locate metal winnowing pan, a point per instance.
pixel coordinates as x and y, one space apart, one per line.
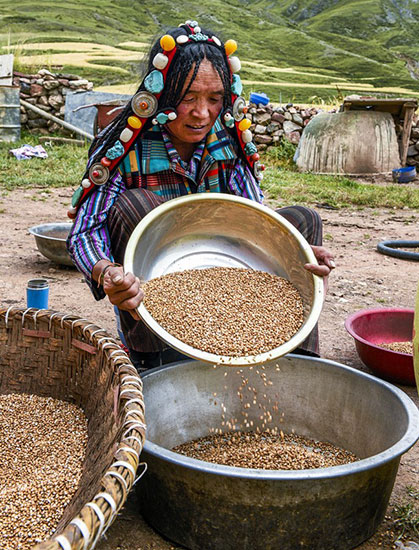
57 120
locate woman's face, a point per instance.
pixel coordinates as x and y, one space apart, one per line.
199 108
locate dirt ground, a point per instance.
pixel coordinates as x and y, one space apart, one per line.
363 279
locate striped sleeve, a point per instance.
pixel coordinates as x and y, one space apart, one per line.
243 183
89 241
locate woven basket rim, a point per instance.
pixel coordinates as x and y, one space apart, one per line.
87 527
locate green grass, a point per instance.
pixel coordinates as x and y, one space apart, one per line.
282 182
63 167
406 515
305 188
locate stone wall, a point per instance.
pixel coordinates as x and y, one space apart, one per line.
413 150
270 124
47 91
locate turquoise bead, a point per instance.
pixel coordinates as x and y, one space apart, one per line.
162 118
198 37
154 82
76 196
236 85
250 148
116 151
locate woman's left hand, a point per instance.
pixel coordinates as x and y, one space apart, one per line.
325 262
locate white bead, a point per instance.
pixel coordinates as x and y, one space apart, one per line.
182 39
197 30
160 61
228 116
260 176
86 183
126 135
188 22
247 136
172 115
216 40
235 64
155 121
72 210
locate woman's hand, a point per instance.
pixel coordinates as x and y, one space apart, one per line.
325 265
123 290
325 260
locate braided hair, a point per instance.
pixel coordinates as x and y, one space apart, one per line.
188 57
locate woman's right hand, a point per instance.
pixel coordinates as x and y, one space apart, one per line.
123 290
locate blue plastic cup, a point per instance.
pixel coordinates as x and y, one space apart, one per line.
37 292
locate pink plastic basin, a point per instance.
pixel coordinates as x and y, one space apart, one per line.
371 327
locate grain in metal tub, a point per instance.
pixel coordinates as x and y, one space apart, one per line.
206 506
51 354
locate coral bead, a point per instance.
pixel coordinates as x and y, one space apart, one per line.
105 161
255 157
244 124
71 212
230 46
167 42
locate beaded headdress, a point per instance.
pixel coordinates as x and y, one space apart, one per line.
144 105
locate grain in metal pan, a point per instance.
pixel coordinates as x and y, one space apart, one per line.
226 311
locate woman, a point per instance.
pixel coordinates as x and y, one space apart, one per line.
183 132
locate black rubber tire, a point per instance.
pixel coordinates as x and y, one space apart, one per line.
390 248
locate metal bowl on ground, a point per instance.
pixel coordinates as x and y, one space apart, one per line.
372 327
205 506
218 230
50 240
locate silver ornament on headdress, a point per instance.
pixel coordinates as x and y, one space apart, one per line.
98 174
238 109
144 104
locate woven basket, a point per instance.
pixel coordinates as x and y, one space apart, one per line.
58 355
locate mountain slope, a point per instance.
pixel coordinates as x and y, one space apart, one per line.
366 43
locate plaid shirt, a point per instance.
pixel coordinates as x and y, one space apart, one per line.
154 164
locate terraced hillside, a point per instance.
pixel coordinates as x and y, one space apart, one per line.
298 50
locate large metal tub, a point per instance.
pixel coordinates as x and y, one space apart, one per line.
207 506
